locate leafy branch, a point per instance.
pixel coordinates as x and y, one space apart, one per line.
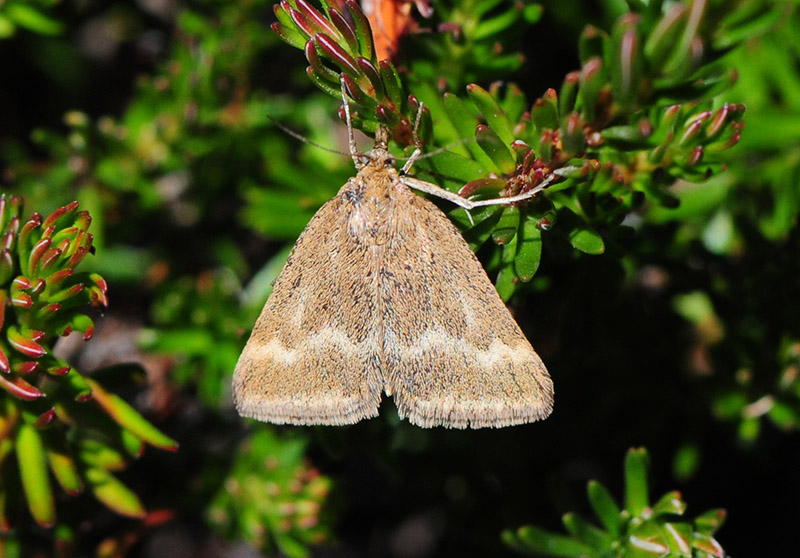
273 498
52 416
638 529
632 120
747 221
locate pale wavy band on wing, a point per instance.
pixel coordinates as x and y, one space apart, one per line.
310 358
453 354
319 383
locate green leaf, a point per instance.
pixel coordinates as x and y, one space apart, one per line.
626 67
709 522
670 504
286 30
290 547
568 93
76 385
363 30
538 540
455 168
786 207
62 463
545 111
28 17
646 547
507 226
529 249
99 454
729 405
485 219
678 537
490 27
35 478
500 153
590 43
506 282
586 532
113 494
573 139
465 123
636 491
696 307
189 341
322 80
277 215
72 411
491 111
662 39
391 82
629 136
592 80
130 419
587 240
708 545
514 104
532 13
748 28
686 461
749 429
605 508
7 27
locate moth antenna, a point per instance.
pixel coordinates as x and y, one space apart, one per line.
288 131
351 138
415 129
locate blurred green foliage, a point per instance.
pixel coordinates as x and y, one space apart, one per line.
639 529
272 494
744 312
28 14
680 332
54 419
613 136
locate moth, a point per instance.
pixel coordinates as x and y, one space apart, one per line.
381 294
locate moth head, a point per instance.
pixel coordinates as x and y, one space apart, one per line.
379 155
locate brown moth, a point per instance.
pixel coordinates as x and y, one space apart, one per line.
381 294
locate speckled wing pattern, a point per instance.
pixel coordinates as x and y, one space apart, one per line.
455 356
311 357
381 293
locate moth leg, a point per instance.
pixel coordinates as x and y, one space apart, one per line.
467 204
417 142
513 199
437 191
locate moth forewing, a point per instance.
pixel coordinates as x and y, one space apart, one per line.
455 355
310 358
